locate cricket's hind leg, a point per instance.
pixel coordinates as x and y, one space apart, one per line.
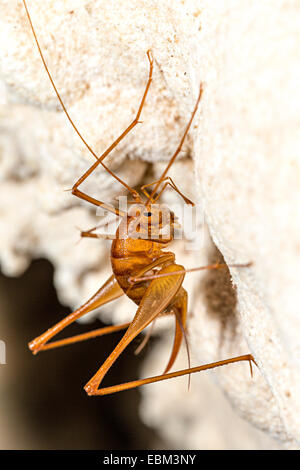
179 307
157 298
108 292
151 306
106 330
158 378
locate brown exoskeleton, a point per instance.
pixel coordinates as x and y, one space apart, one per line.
141 269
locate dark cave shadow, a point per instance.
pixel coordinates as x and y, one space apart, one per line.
220 297
45 392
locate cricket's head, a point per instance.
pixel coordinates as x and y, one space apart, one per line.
151 222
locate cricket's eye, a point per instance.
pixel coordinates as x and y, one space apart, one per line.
147 214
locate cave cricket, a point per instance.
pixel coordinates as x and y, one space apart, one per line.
141 269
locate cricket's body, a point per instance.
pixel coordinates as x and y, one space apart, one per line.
133 256
141 269
128 258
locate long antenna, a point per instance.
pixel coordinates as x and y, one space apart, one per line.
64 108
178 148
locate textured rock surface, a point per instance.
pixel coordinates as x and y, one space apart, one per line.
246 149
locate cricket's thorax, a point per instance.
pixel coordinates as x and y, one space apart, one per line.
129 257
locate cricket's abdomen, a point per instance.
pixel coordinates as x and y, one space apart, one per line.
128 258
